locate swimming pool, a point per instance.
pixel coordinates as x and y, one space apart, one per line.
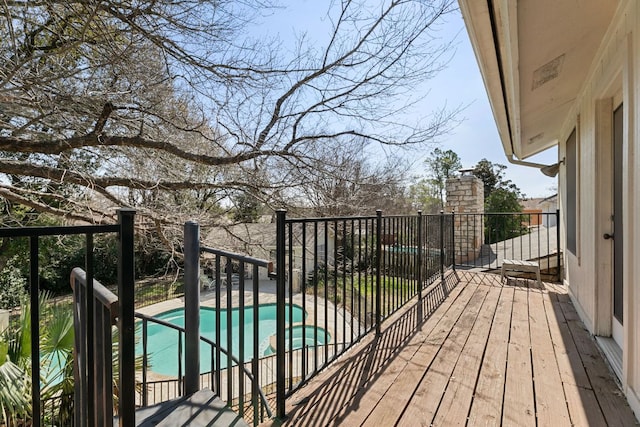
162 342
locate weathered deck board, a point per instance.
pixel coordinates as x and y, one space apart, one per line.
486 408
456 401
581 400
519 407
551 407
427 396
360 378
435 332
490 354
600 377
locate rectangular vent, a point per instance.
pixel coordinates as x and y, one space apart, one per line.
547 72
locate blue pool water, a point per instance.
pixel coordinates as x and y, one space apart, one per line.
162 342
299 339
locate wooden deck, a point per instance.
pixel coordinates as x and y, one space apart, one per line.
491 354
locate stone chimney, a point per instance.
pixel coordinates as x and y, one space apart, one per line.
465 196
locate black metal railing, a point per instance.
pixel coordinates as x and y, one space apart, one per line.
484 240
152 391
348 275
221 293
88 409
103 305
334 281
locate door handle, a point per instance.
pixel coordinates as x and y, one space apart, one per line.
608 236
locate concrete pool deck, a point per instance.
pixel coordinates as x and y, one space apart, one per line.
266 295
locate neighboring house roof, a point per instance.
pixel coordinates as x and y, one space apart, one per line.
538 203
530 204
535 57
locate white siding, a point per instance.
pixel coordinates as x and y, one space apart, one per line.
588 275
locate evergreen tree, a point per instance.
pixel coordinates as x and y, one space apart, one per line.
442 165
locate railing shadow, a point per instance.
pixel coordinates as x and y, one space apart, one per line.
367 362
593 381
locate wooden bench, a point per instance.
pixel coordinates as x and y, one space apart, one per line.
521 266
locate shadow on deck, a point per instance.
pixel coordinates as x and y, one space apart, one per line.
487 354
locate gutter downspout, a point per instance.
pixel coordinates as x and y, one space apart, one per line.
523 163
548 170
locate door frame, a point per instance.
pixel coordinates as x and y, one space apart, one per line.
617 247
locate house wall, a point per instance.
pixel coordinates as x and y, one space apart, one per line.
614 78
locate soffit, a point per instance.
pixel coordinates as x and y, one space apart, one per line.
535 56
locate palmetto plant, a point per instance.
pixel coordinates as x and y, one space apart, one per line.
56 362
15 386
15 379
56 365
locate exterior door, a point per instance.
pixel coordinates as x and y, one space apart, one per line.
618 226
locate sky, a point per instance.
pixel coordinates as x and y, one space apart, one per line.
476 136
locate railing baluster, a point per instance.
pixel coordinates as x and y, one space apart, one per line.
99 370
344 284
419 278
255 364
280 313
218 321
315 295
241 322
289 303
303 283
378 272
326 285
229 338
34 283
145 362
88 321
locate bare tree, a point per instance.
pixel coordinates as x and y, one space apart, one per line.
173 102
339 182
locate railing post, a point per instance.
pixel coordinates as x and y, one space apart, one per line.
559 257
419 256
453 239
419 265
192 307
126 347
89 325
378 272
280 312
442 246
80 354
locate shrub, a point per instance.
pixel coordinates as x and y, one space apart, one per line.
12 286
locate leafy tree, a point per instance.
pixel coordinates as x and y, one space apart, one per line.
171 107
442 165
492 176
500 227
246 207
500 196
424 197
12 286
